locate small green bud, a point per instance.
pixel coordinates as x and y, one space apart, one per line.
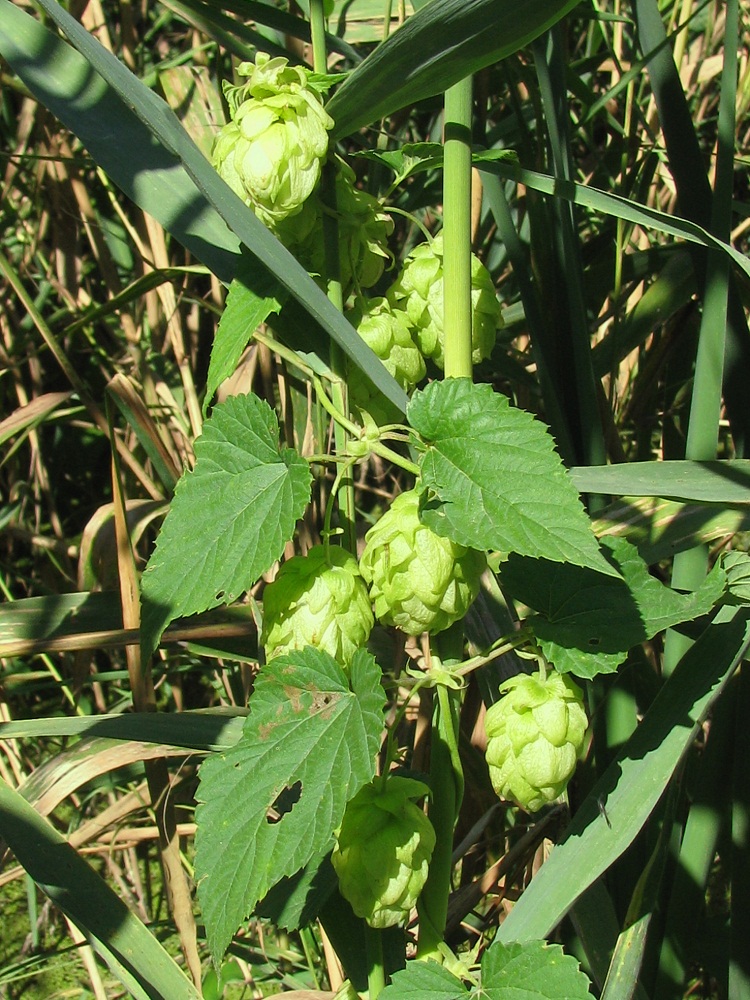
535 734
418 580
383 850
270 152
419 292
317 600
387 333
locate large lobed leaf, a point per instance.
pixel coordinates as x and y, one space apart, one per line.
587 622
497 480
531 971
309 743
230 517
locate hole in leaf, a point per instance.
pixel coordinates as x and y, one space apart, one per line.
594 641
220 596
284 802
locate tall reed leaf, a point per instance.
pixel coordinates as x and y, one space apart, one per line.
132 952
441 44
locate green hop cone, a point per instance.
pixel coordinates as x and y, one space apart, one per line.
387 333
418 580
317 600
270 152
363 231
535 734
383 851
419 292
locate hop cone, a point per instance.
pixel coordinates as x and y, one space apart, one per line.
535 734
271 150
386 331
363 230
418 580
317 600
419 292
383 851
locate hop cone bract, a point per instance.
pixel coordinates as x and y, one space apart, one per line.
419 292
387 333
383 850
535 734
270 152
317 600
418 580
363 231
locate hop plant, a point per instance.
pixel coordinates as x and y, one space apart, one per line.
387 333
270 152
363 231
317 600
418 580
535 734
419 292
383 850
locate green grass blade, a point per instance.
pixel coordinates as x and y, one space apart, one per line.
687 165
569 337
441 44
706 402
618 206
633 784
126 945
209 731
710 482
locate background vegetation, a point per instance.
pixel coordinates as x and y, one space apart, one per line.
617 239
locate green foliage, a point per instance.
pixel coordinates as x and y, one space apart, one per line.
533 971
608 313
230 517
492 479
307 747
586 622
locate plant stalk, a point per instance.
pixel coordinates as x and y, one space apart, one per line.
457 230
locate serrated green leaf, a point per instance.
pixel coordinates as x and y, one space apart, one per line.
308 735
737 568
424 981
230 517
497 480
587 622
532 971
253 295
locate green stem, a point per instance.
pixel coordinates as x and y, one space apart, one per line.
375 967
446 792
457 231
